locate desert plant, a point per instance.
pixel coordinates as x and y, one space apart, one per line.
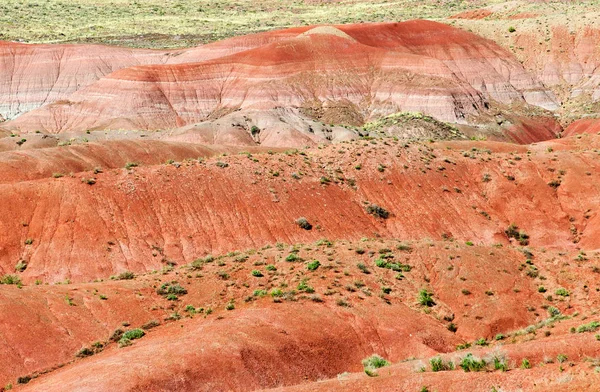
372 363
313 265
127 275
257 274
363 268
171 289
292 257
10 279
562 292
378 211
303 223
469 363
589 327
21 266
425 298
438 364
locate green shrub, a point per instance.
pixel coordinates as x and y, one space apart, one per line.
525 364
271 267
313 265
257 274
259 293
130 335
10 279
562 292
513 232
303 286
377 211
292 257
438 364
469 363
481 342
21 266
172 288
425 298
590 327
372 363
561 358
500 362
276 293
553 312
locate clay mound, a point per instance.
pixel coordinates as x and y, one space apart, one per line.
412 66
413 126
57 162
588 125
70 222
391 325
32 75
321 327
276 127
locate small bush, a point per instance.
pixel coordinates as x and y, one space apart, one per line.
172 288
127 275
10 279
525 364
363 268
425 298
438 364
21 266
561 358
276 293
372 363
313 265
257 274
292 257
133 334
513 232
590 327
84 352
553 312
378 211
562 292
222 164
150 324
472 364
303 223
511 29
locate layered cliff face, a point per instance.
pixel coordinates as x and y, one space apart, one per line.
32 75
369 70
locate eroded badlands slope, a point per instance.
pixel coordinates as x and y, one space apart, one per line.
365 70
261 318
72 227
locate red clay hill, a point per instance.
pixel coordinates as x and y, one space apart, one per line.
363 71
